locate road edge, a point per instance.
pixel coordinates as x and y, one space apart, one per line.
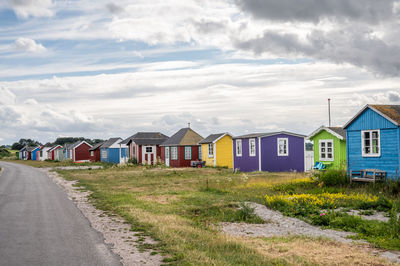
117 234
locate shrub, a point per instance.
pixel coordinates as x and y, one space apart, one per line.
394 220
246 214
332 177
133 161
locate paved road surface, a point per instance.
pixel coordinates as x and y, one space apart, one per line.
39 225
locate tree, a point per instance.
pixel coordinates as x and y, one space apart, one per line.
24 142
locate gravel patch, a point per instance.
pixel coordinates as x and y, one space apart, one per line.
280 225
377 216
116 233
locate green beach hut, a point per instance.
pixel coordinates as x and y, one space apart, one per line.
330 146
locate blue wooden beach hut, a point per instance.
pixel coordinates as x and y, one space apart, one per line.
113 151
34 153
373 140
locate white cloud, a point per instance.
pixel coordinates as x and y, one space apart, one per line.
34 8
29 45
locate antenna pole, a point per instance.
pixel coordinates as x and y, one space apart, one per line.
329 110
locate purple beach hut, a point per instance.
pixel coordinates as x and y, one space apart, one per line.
272 152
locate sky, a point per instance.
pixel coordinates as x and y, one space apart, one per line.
102 69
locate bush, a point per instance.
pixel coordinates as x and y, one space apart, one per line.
332 177
133 161
4 153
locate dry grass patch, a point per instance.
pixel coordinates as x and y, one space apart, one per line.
316 251
161 199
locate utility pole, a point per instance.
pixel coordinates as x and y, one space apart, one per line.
329 110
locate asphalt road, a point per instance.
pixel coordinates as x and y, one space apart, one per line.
39 225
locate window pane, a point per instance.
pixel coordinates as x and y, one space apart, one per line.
329 144
330 155
322 144
323 155
322 149
366 135
375 134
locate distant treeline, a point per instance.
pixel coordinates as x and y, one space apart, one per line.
59 141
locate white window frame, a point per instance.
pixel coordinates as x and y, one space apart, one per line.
210 148
200 152
239 144
287 146
187 150
326 141
104 154
174 153
150 148
364 154
91 153
252 153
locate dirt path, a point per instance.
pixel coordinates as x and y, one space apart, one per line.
280 225
118 234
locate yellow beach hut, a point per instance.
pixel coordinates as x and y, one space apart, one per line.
217 150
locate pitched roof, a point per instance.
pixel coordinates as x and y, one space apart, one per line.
390 112
96 146
212 138
32 148
338 132
185 136
110 142
76 144
256 135
146 138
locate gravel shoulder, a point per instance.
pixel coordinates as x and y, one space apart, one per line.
280 225
116 232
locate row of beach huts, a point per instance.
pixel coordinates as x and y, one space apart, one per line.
368 141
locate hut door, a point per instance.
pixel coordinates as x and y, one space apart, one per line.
167 156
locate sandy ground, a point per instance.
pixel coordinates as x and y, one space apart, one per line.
116 233
280 225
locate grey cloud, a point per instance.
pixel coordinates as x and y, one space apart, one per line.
114 9
356 46
208 26
370 11
8 117
394 96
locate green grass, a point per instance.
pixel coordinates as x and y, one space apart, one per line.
182 208
51 164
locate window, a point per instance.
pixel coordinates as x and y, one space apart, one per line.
238 147
200 153
104 154
149 149
210 150
91 153
252 147
174 153
41 154
326 150
371 143
283 146
188 153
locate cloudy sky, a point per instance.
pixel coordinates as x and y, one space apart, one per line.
112 68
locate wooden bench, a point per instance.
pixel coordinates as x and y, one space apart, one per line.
367 175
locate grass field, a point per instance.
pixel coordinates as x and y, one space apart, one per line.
181 208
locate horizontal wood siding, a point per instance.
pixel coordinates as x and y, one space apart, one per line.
181 162
271 162
389 159
245 163
370 120
339 147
